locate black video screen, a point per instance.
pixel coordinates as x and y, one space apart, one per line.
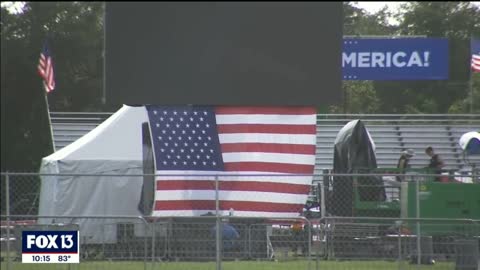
223 53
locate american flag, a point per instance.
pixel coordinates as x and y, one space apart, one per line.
263 157
475 48
45 68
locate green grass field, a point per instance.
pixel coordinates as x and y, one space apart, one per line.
240 265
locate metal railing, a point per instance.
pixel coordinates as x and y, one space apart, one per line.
388 228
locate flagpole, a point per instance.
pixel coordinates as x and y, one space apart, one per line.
45 69
49 121
470 85
470 81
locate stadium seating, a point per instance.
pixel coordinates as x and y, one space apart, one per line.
394 134
391 133
68 127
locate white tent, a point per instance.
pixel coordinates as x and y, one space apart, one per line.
470 142
114 147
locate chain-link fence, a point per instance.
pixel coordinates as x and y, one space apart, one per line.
118 244
403 241
371 220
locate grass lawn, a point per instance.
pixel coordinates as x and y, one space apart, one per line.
240 265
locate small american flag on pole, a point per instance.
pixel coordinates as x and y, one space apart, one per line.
45 68
263 157
475 49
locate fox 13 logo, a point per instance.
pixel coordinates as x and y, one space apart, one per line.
50 247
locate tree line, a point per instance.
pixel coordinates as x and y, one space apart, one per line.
76 31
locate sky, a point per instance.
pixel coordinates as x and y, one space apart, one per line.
370 7
14 7
373 7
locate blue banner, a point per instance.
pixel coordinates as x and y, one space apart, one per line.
395 59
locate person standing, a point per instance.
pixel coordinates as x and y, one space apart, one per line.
297 229
230 236
403 162
436 163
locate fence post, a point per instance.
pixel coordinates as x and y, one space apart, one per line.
309 247
145 248
152 230
7 205
322 198
417 198
250 241
218 235
400 245
317 248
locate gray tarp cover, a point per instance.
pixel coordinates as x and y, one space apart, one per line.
354 152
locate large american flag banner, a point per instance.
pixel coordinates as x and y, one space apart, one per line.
45 68
263 157
475 48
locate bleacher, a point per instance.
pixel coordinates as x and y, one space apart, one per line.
391 133
68 127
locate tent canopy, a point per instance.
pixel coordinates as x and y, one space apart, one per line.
111 140
112 148
470 143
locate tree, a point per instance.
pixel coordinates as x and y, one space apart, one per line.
361 96
76 31
358 22
457 21
463 105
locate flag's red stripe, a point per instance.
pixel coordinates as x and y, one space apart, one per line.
49 75
51 82
47 68
266 128
41 72
46 72
45 85
227 205
233 185
266 110
269 167
269 148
